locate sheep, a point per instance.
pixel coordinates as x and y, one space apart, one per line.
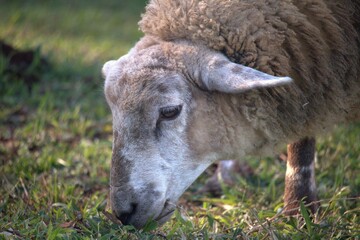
214 79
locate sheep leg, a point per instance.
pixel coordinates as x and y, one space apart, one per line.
300 176
226 173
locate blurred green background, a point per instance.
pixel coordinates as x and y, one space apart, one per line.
84 32
55 141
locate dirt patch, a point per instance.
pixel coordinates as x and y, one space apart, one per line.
24 65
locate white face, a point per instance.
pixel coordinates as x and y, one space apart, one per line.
152 162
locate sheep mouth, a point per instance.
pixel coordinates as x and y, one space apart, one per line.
168 210
164 216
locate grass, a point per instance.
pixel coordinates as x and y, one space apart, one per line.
55 144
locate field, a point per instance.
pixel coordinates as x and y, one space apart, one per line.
56 133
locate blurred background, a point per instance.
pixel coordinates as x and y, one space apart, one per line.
66 42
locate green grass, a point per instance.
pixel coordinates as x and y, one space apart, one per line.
55 144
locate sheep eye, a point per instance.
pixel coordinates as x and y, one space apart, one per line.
170 113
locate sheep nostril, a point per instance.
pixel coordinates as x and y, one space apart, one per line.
125 216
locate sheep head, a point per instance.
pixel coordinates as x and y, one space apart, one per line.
166 100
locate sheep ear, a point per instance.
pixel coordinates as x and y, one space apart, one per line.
111 69
106 68
220 74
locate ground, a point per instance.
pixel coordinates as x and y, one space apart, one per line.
55 143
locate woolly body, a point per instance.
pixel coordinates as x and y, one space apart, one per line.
313 41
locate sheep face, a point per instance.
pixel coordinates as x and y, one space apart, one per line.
166 128
151 160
